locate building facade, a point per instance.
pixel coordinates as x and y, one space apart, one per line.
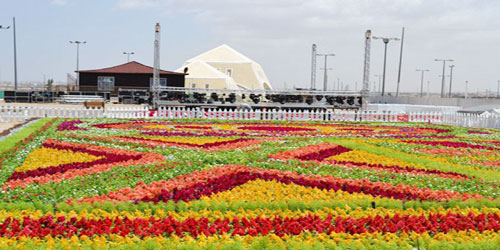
131 75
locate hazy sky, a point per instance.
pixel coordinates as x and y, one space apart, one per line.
276 33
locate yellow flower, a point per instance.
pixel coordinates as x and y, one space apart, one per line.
47 157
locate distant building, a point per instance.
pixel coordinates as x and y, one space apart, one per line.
224 68
129 75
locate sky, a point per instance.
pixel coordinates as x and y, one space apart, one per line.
277 34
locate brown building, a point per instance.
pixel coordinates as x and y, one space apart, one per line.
131 75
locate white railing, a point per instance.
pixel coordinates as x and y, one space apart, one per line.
16 113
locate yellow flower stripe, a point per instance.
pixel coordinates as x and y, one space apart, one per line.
212 215
370 158
174 242
439 159
190 140
273 191
47 157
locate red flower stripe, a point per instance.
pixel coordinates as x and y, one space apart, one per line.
70 125
452 144
273 130
276 128
478 132
280 226
323 154
399 169
197 133
316 152
189 184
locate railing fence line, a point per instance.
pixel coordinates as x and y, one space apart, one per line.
17 113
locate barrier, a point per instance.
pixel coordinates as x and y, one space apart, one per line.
17 114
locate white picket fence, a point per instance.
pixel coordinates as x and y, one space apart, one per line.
16 113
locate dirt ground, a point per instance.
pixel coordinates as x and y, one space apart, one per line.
7 125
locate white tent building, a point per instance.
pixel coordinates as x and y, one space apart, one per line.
202 75
225 68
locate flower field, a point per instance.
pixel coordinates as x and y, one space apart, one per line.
188 184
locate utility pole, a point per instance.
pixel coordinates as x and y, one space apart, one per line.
422 81
400 60
15 49
313 67
386 41
451 79
325 77
78 59
4 28
366 70
15 52
379 83
156 69
128 55
444 67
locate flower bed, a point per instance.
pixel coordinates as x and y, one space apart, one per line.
122 184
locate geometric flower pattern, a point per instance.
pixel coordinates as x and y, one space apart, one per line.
87 159
205 183
206 144
339 155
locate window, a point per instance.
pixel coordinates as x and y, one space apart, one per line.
105 83
229 72
193 85
207 86
163 82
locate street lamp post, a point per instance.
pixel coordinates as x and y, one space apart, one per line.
400 60
78 58
386 41
451 79
379 82
128 55
422 81
325 77
444 75
4 28
15 50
